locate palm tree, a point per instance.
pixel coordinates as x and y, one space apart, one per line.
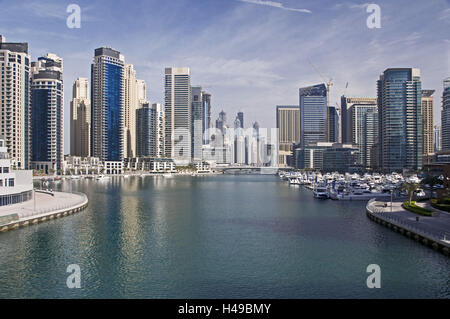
410 188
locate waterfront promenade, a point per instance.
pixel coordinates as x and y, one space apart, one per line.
433 231
45 206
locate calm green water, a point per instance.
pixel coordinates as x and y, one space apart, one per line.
215 237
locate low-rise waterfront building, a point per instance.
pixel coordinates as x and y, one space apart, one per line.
77 165
16 186
150 164
327 156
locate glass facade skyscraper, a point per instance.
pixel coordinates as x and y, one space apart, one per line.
364 124
197 123
400 119
206 117
177 105
333 120
146 121
107 98
313 114
47 117
445 116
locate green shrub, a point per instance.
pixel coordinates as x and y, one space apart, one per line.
439 204
413 208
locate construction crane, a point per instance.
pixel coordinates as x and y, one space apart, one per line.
328 83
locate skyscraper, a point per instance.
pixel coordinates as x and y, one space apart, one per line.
107 98
177 107
221 122
288 125
206 124
146 130
313 114
427 122
445 116
364 124
400 119
437 138
47 114
197 123
15 101
333 122
159 129
240 116
129 112
80 119
346 117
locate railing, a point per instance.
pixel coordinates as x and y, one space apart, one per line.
26 214
424 229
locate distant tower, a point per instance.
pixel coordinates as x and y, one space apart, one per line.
80 119
197 123
240 116
47 114
206 117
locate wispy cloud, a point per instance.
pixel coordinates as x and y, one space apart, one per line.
275 4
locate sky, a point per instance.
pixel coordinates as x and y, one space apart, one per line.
251 55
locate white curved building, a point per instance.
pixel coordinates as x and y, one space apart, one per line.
16 186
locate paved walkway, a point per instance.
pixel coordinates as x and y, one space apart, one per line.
438 227
45 203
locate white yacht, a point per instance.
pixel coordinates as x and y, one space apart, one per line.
320 192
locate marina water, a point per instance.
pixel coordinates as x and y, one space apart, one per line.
224 236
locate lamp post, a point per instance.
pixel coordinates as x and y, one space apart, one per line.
392 192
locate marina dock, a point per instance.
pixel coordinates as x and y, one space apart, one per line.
430 231
44 206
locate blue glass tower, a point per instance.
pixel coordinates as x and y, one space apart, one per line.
47 142
400 119
107 105
313 114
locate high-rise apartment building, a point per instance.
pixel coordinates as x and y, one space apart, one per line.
15 103
206 124
107 98
177 106
363 119
346 117
80 119
427 122
197 123
47 114
445 116
146 131
159 129
288 125
313 114
129 112
333 124
437 138
240 116
400 119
